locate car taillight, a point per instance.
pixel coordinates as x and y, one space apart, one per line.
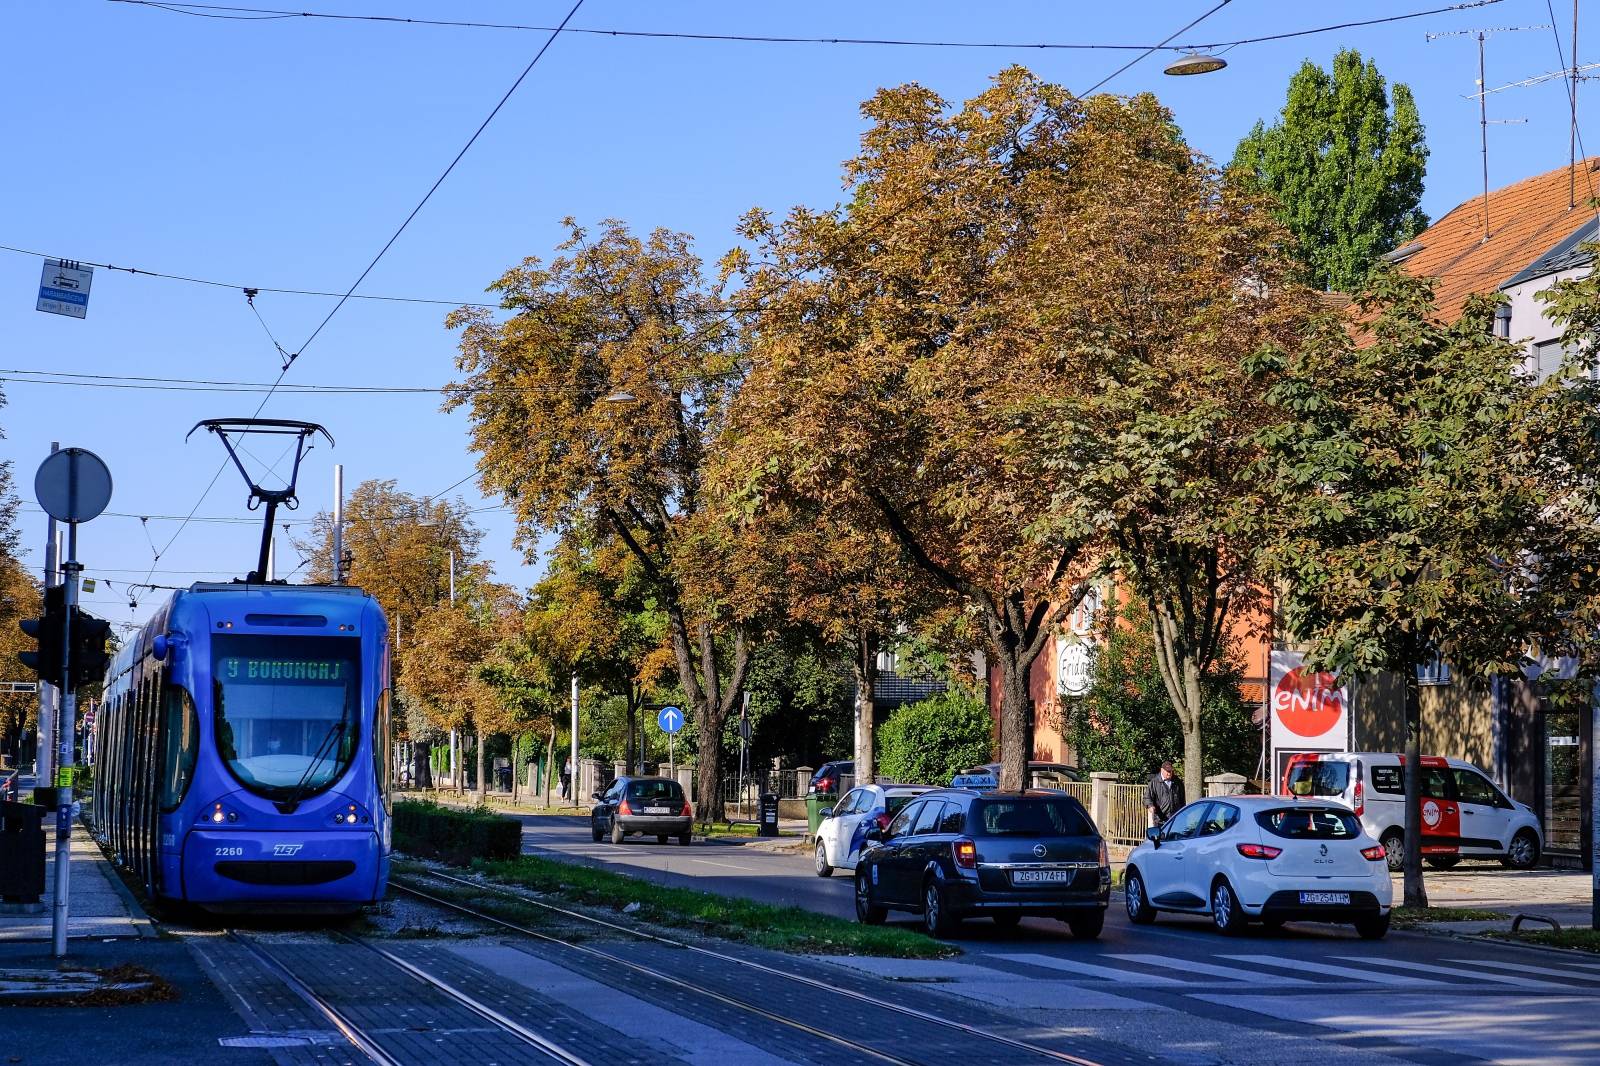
686 812
825 785
623 808
966 854
1259 851
1361 800
1105 856
1377 853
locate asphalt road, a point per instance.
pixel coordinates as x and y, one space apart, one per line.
1180 991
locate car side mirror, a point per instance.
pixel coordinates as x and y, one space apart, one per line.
826 812
1153 835
599 795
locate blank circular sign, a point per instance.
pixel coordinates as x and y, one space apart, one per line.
73 485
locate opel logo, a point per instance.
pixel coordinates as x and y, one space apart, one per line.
1038 849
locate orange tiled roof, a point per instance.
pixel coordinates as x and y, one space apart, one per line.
1525 221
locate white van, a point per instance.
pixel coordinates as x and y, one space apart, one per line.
1464 816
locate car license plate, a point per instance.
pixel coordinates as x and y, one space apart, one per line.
1325 897
1036 877
658 810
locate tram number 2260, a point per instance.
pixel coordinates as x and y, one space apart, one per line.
228 852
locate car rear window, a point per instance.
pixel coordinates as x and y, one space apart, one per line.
1043 817
655 790
1319 778
1309 823
893 804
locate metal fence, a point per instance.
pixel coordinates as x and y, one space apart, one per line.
746 791
1125 817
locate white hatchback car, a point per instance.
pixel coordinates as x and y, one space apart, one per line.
1261 857
843 831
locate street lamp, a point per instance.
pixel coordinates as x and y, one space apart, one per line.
1195 63
621 396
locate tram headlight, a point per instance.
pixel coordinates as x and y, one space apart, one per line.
217 814
351 814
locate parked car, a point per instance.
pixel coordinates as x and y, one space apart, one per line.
825 781
1263 857
959 853
844 826
651 806
1040 775
1463 814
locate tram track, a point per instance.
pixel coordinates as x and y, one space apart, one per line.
985 1035
367 1042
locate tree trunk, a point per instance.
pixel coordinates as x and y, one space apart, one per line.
1016 720
483 779
549 765
631 756
1182 673
866 677
711 702
1416 893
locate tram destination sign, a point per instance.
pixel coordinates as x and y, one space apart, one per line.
64 288
248 669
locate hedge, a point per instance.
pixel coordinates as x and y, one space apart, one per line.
931 741
454 835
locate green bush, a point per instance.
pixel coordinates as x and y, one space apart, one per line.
931 741
454 835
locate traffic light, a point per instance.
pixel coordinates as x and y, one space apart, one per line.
89 655
47 661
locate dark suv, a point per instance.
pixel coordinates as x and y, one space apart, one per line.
653 806
825 782
960 853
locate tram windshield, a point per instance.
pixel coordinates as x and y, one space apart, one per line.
287 710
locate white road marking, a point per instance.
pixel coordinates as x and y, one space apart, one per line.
1230 972
1520 968
1477 975
1084 969
726 865
1365 976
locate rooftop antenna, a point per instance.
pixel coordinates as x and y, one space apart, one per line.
232 431
1483 99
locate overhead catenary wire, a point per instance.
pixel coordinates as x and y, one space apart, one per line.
291 357
258 14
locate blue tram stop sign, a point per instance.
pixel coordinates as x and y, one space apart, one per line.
670 719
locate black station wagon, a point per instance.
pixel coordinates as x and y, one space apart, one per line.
959 853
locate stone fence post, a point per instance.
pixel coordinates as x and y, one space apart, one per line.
619 769
802 776
1225 785
1100 797
686 779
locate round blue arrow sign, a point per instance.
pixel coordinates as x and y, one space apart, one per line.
670 719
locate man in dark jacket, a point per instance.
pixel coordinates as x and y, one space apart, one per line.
1164 796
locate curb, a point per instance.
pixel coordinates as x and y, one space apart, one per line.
1479 938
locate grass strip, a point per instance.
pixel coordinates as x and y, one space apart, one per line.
746 921
1575 939
1406 917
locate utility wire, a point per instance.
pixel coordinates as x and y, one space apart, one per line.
293 356
1155 47
247 288
255 14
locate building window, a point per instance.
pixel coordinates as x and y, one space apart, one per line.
1549 355
1433 671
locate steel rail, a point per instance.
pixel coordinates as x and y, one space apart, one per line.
730 1001
898 1008
351 1032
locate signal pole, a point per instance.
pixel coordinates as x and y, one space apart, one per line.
69 710
44 749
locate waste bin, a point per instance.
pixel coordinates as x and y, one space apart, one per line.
815 804
21 852
769 815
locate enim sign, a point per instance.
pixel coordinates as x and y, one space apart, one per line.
1307 702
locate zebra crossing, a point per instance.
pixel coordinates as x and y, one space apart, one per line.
1282 972
1252 971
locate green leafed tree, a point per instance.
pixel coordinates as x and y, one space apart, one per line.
1345 167
931 741
1428 496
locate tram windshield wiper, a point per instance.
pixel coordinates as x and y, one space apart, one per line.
324 749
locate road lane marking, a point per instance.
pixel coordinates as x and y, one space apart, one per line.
1346 972
1229 972
1476 975
726 865
1520 968
1084 969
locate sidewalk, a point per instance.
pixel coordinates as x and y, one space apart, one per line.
1564 895
98 904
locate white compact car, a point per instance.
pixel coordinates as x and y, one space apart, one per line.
843 831
1261 857
1464 816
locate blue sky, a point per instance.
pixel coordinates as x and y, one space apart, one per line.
283 153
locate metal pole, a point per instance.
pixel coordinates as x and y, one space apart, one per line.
268 572
338 523
574 752
1572 129
1483 127
69 707
44 749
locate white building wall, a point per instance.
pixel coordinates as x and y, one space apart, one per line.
1531 326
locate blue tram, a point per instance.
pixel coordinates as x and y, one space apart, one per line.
243 749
